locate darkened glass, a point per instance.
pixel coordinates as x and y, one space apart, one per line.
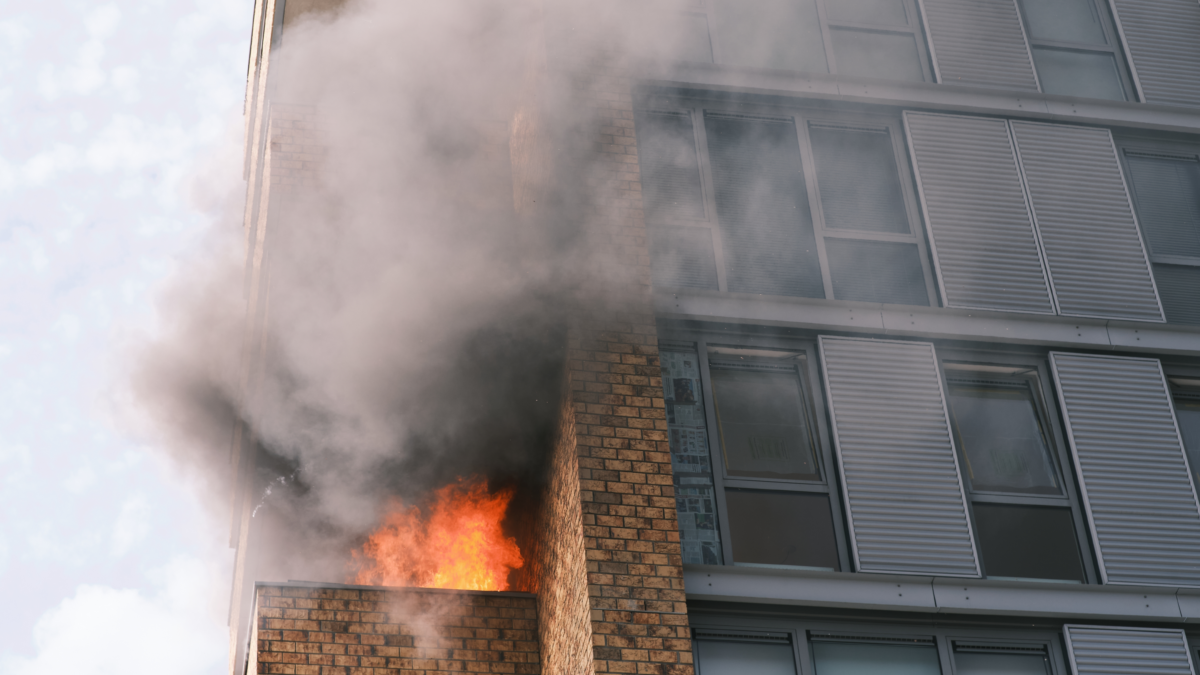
763 428
782 34
670 169
1177 288
880 55
876 271
858 180
1030 542
1187 412
718 657
1168 196
877 12
854 658
1000 663
762 206
1074 73
1063 21
781 528
1002 439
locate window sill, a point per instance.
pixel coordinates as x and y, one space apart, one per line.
930 96
938 594
927 322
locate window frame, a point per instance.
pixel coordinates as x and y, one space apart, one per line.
803 119
1050 414
814 402
1113 45
916 28
801 631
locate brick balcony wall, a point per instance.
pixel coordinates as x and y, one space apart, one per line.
306 629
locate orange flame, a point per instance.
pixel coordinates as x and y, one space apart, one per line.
458 544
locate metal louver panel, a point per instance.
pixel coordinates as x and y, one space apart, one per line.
982 236
1161 38
1094 254
1103 650
979 43
1133 473
900 477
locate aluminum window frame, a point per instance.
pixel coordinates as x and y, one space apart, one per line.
1114 45
1050 415
803 118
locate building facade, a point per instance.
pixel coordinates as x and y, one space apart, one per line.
905 374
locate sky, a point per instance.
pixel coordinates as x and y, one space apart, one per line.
120 129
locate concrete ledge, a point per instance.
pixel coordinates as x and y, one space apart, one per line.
939 595
388 589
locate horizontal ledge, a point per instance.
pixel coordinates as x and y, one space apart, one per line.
939 594
388 589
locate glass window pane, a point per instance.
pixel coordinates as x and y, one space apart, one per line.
682 257
670 167
1187 412
1088 74
874 271
781 528
745 658
1063 20
763 428
1028 542
885 56
858 180
851 658
784 34
695 499
969 663
1168 194
1001 436
878 12
1177 286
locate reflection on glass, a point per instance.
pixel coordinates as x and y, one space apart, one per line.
783 34
858 180
763 430
1168 192
1028 542
1187 412
854 658
1000 663
781 528
1071 73
884 56
1001 437
876 271
744 658
1063 21
877 12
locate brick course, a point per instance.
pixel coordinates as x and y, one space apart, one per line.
346 630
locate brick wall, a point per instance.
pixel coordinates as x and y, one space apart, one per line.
308 629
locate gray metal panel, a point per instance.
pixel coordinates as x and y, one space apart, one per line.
981 232
1097 265
1163 40
1134 476
979 43
1103 650
900 478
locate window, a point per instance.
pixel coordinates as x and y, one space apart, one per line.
745 654
768 502
914 656
982 658
1026 524
1165 181
1186 392
879 39
781 201
1075 49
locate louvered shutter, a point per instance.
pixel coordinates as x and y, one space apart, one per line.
762 206
1161 37
1133 473
1103 650
982 237
900 477
1094 255
979 43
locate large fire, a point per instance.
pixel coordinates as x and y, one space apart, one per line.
456 543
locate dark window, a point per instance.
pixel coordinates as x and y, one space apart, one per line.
781 528
1075 48
878 39
760 232
1166 187
760 416
1187 414
762 656
866 658
1026 524
987 659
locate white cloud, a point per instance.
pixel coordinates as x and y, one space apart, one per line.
132 526
101 630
